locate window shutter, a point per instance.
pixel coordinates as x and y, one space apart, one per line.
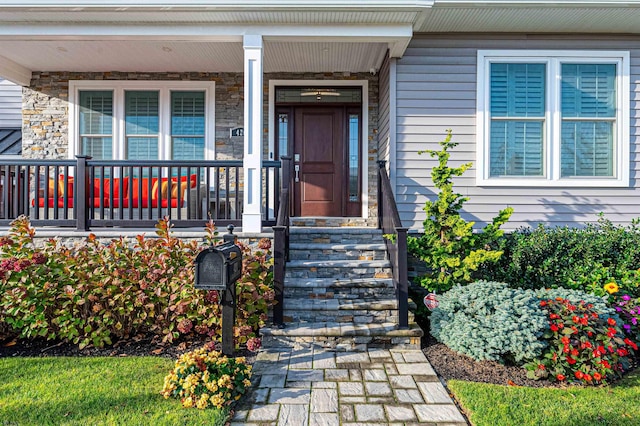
188 125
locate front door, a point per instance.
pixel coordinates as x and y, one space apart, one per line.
319 161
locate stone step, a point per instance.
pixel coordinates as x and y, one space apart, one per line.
356 311
338 269
355 235
339 222
364 289
315 251
342 336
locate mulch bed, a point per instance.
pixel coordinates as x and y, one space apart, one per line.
452 365
140 346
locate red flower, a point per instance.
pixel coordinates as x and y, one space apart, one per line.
554 316
579 375
566 349
630 342
560 325
611 321
587 377
575 329
611 332
605 363
589 333
597 376
570 360
560 377
622 352
554 327
576 319
540 366
543 303
597 354
565 340
574 352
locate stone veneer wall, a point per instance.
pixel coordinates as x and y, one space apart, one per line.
45 111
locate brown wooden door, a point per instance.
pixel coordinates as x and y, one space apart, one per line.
319 142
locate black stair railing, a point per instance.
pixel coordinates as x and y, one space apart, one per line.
389 222
281 243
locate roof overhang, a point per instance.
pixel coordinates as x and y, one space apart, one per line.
201 36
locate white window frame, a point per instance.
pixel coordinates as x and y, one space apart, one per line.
119 87
552 126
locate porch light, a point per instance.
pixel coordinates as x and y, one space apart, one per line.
319 93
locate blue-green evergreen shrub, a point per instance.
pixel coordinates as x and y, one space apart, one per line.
490 321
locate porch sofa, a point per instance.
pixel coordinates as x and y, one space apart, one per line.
136 192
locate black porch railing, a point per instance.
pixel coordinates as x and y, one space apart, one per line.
86 193
281 243
389 222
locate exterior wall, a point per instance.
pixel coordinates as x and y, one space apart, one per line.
436 90
45 110
10 105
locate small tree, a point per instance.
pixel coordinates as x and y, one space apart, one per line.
449 247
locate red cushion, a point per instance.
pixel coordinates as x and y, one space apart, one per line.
60 203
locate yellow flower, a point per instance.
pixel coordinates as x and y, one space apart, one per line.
611 287
187 402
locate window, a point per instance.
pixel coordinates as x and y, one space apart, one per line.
142 120
553 118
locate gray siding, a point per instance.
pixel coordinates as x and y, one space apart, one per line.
10 105
436 90
383 117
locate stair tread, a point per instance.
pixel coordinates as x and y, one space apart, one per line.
342 329
312 283
298 263
329 246
334 230
339 304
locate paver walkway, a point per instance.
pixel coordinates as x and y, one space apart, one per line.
318 387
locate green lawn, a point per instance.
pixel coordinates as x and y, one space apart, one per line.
493 405
92 391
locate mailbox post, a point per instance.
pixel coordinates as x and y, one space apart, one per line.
218 268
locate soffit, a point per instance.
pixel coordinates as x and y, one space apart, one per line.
539 19
178 56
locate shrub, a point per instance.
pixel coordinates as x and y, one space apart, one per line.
93 293
449 246
583 344
580 258
490 321
204 378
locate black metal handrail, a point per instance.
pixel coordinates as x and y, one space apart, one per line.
389 222
88 193
281 243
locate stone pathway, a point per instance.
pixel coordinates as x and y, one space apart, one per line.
318 387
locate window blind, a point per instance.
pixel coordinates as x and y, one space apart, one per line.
96 123
588 107
188 125
517 109
142 124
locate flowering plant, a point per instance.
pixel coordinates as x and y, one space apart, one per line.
204 378
629 310
583 345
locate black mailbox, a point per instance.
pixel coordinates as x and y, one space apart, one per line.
218 267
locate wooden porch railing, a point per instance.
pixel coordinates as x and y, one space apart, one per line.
389 222
281 243
86 193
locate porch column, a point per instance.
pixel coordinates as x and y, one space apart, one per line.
253 149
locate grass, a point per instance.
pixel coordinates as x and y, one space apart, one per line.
497 405
95 391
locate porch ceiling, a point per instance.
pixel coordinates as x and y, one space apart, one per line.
184 56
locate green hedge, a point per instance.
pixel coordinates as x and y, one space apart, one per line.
579 258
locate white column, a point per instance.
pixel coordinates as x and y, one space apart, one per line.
253 145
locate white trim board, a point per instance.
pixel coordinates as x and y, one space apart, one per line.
364 85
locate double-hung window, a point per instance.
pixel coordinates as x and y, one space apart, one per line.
553 118
142 120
